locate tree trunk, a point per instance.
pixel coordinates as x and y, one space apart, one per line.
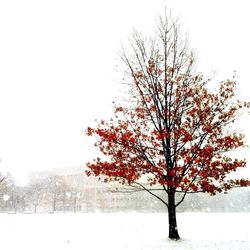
75 204
54 203
173 231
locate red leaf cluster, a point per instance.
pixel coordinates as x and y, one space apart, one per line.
175 133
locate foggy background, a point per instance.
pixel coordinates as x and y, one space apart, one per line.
58 63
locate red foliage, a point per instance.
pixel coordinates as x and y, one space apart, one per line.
176 134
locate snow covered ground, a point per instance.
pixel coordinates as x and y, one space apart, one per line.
122 231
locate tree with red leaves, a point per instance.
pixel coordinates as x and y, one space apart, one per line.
174 136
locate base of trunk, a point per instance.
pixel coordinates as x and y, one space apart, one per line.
173 234
173 231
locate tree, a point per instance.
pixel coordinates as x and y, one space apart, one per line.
4 191
9 193
174 136
35 193
58 188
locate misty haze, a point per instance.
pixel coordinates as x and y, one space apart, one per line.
124 125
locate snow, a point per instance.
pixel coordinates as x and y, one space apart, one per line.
135 231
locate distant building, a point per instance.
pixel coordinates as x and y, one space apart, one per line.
94 195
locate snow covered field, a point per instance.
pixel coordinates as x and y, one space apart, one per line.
121 231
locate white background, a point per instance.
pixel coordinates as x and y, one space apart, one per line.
57 68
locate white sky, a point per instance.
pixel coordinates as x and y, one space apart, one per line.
57 68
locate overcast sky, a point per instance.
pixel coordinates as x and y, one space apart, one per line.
57 68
